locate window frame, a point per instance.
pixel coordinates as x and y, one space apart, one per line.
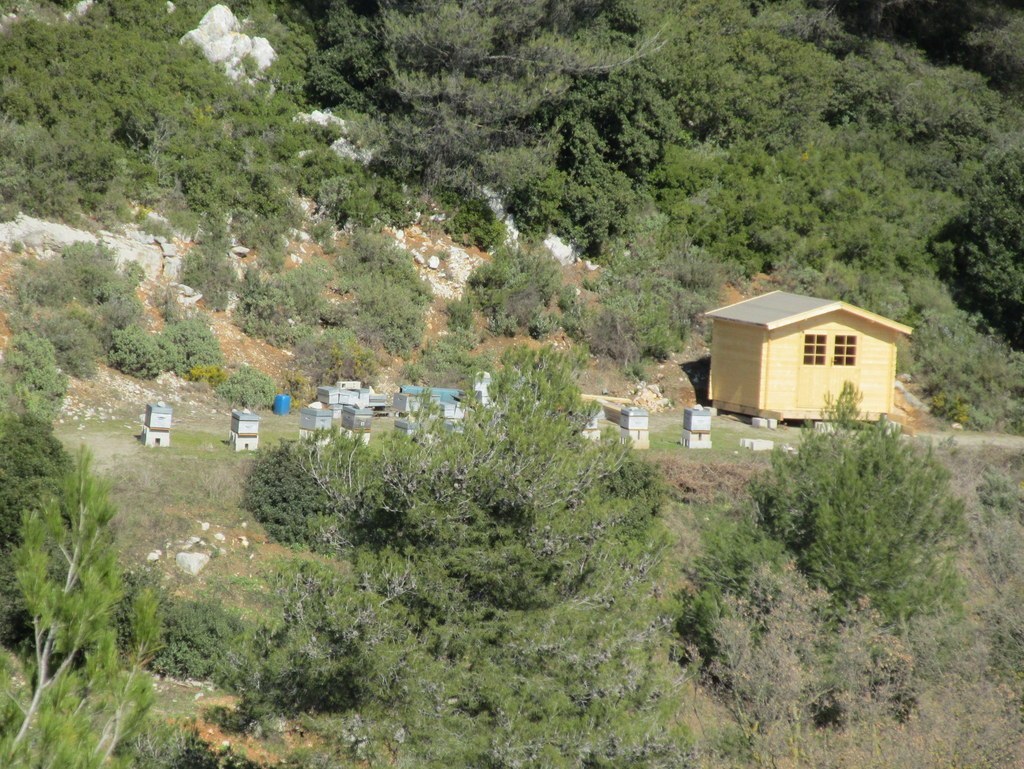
844 350
815 349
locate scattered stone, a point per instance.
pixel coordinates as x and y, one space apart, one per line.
240 251
418 258
204 525
154 555
219 537
192 563
168 249
957 426
244 541
433 262
591 267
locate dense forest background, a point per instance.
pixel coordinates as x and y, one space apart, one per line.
510 595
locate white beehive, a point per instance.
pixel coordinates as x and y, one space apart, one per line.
697 419
311 420
407 402
329 395
452 410
407 426
348 384
245 429
156 425
634 419
481 387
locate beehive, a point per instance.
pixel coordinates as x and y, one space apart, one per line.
313 420
156 425
355 419
697 419
245 428
634 419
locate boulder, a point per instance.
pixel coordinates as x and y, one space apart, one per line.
221 41
192 563
433 263
563 253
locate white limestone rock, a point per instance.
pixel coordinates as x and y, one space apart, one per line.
221 41
563 253
192 563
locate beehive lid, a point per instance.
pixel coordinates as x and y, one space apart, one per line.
159 408
356 410
246 416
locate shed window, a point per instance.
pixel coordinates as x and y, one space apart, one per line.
814 349
845 351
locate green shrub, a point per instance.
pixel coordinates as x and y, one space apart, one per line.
283 496
209 269
197 639
335 354
460 314
248 387
513 287
36 382
474 224
73 333
137 353
214 376
191 343
865 515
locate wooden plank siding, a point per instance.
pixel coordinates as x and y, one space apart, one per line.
762 373
736 364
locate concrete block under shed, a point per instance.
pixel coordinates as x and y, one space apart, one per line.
764 423
756 444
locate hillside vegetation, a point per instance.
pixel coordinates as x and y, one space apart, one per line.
508 594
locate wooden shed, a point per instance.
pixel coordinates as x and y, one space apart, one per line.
780 355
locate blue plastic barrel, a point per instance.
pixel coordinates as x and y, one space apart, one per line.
282 404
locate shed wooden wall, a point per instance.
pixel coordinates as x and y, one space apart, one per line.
736 365
757 372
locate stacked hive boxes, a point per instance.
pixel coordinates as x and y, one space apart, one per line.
313 421
634 426
697 428
156 425
245 430
356 421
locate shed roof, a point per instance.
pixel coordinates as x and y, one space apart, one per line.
779 308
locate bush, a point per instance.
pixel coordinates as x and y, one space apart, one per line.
248 387
513 288
334 354
191 343
37 383
865 515
73 332
208 269
282 494
214 376
474 224
197 638
137 353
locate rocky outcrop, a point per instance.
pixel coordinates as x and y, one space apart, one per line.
45 239
221 40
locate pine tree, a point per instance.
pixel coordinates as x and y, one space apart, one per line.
73 699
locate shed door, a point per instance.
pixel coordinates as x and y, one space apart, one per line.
828 360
